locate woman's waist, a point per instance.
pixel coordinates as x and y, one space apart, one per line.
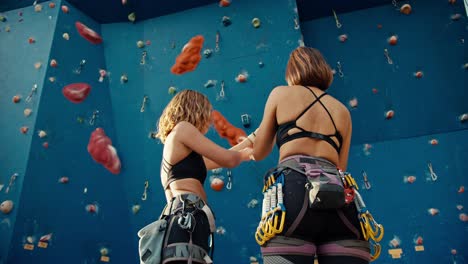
307 159
187 186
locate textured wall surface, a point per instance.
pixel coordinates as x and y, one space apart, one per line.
389 151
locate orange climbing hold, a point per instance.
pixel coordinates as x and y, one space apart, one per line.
190 56
226 130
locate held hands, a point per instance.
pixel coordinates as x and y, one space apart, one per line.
246 154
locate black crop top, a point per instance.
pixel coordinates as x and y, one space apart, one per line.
283 129
191 167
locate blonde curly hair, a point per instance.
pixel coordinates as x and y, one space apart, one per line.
187 105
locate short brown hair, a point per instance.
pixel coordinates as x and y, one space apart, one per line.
187 105
306 66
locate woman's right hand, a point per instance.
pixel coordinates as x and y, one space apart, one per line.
246 154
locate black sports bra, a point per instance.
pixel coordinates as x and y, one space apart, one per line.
191 167
282 131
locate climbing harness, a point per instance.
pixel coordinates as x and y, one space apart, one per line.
181 211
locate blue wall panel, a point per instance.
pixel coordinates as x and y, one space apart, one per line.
428 40
17 77
49 206
402 207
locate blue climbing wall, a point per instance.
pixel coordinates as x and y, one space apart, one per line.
426 109
241 48
389 151
18 75
47 206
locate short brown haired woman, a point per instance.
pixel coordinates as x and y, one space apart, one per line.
313 133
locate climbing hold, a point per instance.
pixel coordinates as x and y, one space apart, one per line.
53 63
45 145
207 53
65 9
261 64
405 9
101 150
226 21
226 130
210 83
452 1
76 92
343 38
51 5
389 114
140 44
224 3
217 184
37 8
409 179
393 40
461 189
463 117
6 206
42 134
433 142
2 18
190 56
418 74
92 208
395 242
433 211
87 33
172 90
242 77
353 102
456 17
64 180
51 79
256 22
24 129
131 17
16 99
31 40
27 112
102 75
136 208
124 78
66 36
418 240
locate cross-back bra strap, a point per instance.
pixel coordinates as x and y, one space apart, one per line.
318 99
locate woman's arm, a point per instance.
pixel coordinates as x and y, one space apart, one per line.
244 145
264 140
344 153
214 155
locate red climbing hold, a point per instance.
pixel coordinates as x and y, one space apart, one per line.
101 149
190 56
76 92
87 33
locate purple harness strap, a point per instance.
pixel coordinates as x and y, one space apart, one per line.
333 249
303 250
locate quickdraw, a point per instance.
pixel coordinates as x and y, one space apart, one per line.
372 231
273 210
